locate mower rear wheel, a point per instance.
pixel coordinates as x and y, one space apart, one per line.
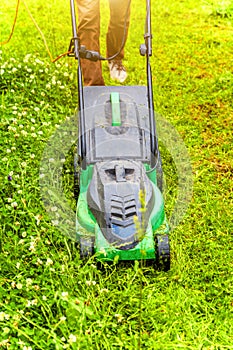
163 252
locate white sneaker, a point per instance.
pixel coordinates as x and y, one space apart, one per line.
117 70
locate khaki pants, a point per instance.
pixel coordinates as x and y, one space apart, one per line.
89 32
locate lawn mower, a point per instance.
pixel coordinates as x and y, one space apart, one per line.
117 167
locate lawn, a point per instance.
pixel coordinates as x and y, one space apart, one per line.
49 298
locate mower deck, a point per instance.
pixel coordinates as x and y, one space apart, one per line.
120 209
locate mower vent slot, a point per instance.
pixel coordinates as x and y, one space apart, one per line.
123 210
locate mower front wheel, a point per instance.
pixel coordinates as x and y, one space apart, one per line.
163 252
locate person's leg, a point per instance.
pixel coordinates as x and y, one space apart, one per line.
118 27
88 33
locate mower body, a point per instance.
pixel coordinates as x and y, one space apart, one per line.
120 208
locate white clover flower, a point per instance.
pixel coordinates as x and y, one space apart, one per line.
14 204
36 109
29 281
39 61
119 317
64 295
55 222
39 261
24 234
49 262
62 87
9 200
18 265
24 133
89 283
13 148
6 330
14 112
40 132
62 318
4 316
28 303
27 57
32 156
8 150
14 69
19 191
34 301
48 86
72 338
32 128
34 135
42 93
32 76
53 208
23 164
44 297
4 159
2 71
33 120
21 126
19 286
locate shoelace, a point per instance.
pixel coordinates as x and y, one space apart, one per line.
118 64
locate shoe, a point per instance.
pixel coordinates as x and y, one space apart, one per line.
117 70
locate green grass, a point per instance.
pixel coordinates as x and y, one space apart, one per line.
48 298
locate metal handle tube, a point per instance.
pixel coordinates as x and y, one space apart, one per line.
148 42
82 134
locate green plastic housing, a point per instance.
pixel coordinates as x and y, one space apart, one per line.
87 226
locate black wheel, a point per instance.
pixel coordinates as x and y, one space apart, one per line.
76 179
86 247
163 252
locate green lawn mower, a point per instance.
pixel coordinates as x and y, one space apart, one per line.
117 170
